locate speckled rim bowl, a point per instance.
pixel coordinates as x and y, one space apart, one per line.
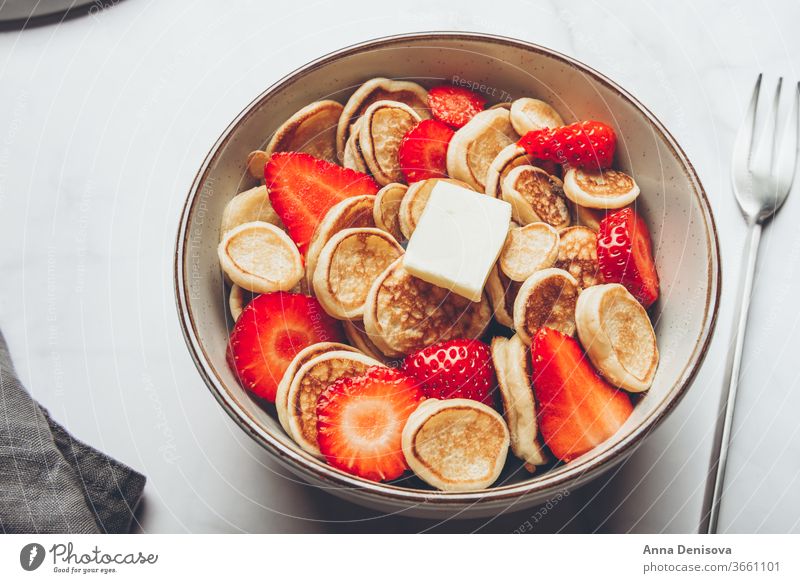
673 203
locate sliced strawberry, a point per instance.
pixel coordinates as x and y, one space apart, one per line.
271 330
578 410
625 256
453 369
423 151
454 106
360 422
303 188
586 144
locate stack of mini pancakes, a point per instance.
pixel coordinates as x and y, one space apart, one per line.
547 273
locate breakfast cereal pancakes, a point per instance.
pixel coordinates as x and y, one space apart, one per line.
380 131
248 206
529 249
260 257
347 265
456 444
547 298
379 89
533 114
310 380
577 254
302 357
617 335
473 147
353 157
536 196
506 160
502 292
351 213
406 313
600 189
386 210
511 362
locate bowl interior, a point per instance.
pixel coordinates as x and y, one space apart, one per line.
672 203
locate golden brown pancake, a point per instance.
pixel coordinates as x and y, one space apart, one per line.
347 265
617 335
350 213
577 254
536 196
456 444
379 89
406 314
512 363
547 298
381 129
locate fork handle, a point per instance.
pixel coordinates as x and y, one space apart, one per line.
719 456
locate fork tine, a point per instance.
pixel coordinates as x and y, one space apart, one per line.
743 147
774 127
787 156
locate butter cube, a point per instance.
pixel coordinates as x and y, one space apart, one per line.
458 239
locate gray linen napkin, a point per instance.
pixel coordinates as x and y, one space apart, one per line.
50 482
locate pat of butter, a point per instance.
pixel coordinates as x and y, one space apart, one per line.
458 239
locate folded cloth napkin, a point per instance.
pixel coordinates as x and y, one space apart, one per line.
50 482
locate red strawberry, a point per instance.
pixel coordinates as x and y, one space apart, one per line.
271 330
454 106
423 151
586 144
303 188
360 422
578 410
460 368
625 256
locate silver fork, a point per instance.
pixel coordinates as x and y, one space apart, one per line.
762 177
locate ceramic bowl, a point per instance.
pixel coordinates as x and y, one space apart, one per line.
672 202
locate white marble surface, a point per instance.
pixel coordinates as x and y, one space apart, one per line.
103 121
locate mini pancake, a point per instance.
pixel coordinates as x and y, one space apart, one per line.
512 364
501 105
600 189
354 330
259 257
353 157
406 314
529 114
386 210
379 89
302 357
256 160
238 299
502 292
589 218
528 249
351 213
382 128
347 265
415 200
577 254
535 196
617 335
509 158
311 130
473 147
311 379
246 207
547 298
456 445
